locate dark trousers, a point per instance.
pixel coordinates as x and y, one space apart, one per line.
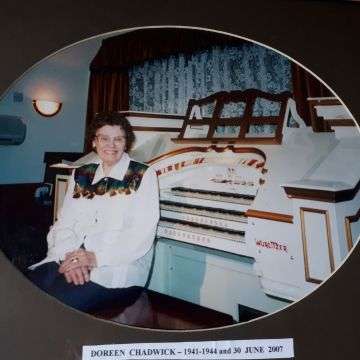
88 297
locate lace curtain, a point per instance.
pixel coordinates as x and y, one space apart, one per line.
165 85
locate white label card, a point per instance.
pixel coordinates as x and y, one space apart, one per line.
224 349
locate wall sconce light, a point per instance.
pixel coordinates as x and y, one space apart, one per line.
46 107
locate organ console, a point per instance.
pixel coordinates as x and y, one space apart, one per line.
282 208
238 200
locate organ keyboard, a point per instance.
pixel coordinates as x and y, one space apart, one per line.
210 227
206 204
210 200
228 219
213 195
209 236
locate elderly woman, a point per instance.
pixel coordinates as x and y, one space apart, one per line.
100 248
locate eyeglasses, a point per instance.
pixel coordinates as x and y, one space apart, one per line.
107 140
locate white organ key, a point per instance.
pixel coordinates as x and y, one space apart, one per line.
226 224
214 241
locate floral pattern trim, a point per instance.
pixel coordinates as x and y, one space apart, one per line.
84 176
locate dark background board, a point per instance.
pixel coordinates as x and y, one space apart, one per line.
322 35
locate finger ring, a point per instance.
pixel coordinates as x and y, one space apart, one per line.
74 260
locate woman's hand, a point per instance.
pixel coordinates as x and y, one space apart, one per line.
78 258
77 276
77 266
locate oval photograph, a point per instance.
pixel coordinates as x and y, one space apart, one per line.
176 178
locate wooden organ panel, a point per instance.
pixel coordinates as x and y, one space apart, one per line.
317 244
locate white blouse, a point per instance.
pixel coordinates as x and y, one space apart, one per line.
119 229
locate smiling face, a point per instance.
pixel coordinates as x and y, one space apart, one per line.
110 144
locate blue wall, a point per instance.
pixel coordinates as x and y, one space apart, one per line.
63 77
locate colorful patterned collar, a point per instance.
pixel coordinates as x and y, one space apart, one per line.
117 172
87 188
